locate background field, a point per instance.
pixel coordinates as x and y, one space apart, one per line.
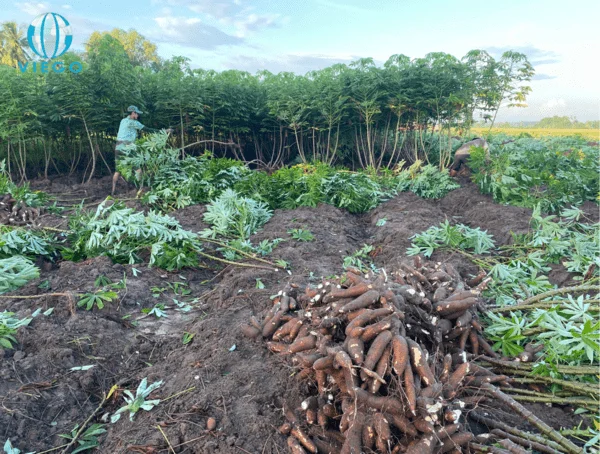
593 134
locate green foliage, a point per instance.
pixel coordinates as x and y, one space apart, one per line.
235 217
432 183
360 114
569 331
8 328
299 185
138 402
15 272
140 51
356 192
86 440
10 449
564 240
158 311
451 236
22 193
552 240
301 234
360 259
105 293
126 236
150 154
428 181
187 338
265 247
551 172
16 241
522 270
98 298
13 46
176 183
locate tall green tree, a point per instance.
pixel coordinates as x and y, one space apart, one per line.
13 44
141 52
513 72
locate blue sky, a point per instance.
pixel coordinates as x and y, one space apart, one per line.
560 38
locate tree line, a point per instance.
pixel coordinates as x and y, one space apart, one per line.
359 114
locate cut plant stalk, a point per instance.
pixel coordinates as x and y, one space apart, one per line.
496 424
532 419
569 370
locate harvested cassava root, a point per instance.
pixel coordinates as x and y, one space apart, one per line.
387 356
17 213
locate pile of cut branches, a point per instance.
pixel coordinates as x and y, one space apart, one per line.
390 360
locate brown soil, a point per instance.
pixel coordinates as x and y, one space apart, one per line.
243 388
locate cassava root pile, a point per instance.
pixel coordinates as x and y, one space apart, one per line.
17 213
387 355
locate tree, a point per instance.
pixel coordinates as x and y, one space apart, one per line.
361 114
12 44
513 70
141 52
500 81
557 122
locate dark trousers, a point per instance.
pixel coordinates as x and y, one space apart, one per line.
459 159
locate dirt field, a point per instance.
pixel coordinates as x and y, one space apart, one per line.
221 373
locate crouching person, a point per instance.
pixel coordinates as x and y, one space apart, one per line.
464 152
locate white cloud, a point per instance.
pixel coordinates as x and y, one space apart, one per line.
83 28
255 22
67 6
191 32
218 9
554 104
33 8
226 12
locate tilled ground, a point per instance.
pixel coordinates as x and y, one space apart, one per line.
221 373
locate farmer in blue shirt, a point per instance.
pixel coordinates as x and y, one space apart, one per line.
128 131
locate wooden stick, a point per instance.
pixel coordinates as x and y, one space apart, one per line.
229 262
523 442
481 448
246 254
495 424
594 405
83 426
166 439
569 370
31 297
558 291
531 418
579 387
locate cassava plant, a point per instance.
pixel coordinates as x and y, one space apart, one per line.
126 236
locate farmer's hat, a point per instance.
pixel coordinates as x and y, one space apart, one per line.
134 109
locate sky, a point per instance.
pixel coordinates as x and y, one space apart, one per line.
559 38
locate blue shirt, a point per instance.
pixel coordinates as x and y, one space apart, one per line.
128 130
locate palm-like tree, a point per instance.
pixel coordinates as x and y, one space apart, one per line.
13 43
